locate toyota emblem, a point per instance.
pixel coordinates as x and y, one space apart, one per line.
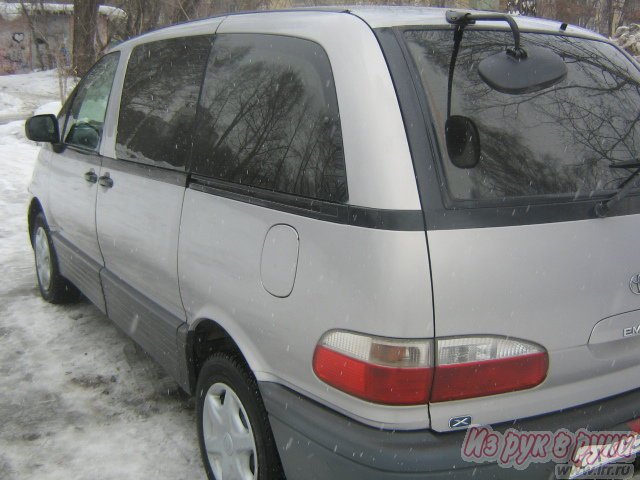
634 284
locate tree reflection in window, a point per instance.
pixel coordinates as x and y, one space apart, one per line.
159 101
269 117
558 142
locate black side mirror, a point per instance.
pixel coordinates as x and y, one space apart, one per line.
43 128
463 141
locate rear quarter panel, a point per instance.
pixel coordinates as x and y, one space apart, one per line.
352 278
371 281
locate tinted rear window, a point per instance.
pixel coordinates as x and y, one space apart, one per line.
558 142
269 117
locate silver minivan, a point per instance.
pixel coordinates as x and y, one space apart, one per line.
353 233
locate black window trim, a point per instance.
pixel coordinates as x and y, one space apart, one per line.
212 41
346 214
441 211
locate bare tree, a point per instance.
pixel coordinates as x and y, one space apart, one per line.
604 16
186 10
38 37
523 7
40 40
85 22
144 15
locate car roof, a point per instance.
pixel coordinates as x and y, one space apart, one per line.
383 16
375 16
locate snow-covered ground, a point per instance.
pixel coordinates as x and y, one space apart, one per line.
77 399
21 95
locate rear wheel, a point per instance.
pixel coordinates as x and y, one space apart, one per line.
233 429
54 288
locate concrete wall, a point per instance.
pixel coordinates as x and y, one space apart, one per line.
15 46
21 52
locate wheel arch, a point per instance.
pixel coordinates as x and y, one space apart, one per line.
206 337
35 207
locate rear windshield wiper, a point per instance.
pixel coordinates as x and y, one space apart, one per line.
605 207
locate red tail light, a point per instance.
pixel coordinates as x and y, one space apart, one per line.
392 372
469 367
490 377
634 425
401 372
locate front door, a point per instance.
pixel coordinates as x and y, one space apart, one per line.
74 172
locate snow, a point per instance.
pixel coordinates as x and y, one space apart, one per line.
77 398
12 11
51 107
21 95
629 39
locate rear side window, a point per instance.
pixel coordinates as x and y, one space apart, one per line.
87 110
159 101
269 117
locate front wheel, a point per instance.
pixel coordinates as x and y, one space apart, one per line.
233 428
54 288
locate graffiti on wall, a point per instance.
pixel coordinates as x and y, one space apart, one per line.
14 52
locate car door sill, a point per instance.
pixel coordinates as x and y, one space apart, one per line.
79 269
148 324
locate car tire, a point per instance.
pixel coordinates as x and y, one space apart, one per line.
54 288
233 428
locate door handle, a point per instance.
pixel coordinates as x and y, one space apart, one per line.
106 180
91 176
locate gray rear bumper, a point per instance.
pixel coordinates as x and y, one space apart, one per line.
317 443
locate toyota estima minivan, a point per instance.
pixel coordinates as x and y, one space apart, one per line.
352 233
